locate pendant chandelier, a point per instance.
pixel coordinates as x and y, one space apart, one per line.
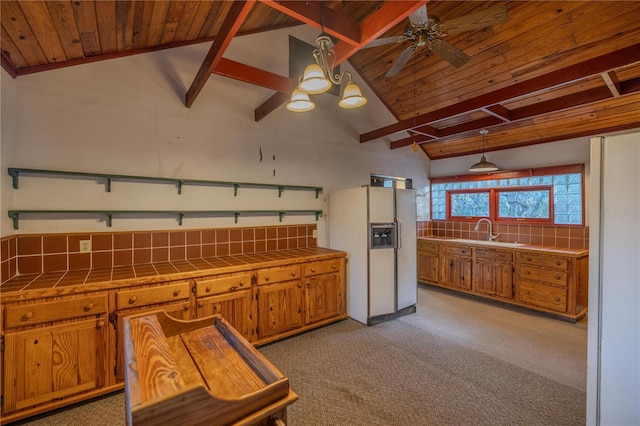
319 76
483 165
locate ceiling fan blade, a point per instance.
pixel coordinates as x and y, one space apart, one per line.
473 21
454 56
419 17
401 61
385 40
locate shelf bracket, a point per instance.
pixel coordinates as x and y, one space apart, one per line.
180 183
280 191
281 215
180 217
318 214
318 191
235 191
14 177
236 214
108 186
15 216
109 219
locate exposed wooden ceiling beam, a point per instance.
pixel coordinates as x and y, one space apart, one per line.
526 112
315 14
249 74
571 73
232 23
385 18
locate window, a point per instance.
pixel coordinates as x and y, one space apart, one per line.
552 195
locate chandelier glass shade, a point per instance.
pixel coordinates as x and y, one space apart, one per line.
318 78
483 165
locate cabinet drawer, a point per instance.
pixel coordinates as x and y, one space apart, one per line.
220 285
544 295
457 250
498 255
546 261
152 295
274 275
545 275
323 267
427 245
25 315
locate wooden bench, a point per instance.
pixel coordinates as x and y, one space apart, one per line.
198 372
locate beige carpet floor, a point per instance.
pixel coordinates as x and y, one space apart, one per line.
457 361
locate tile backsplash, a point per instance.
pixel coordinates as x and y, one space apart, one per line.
29 254
574 237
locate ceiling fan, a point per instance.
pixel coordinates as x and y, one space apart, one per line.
428 30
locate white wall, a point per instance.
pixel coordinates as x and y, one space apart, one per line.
127 116
613 380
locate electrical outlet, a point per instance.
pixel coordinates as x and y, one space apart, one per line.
315 233
85 246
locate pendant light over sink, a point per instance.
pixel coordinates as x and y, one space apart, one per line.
483 165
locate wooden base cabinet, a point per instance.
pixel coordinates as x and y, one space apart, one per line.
428 261
44 360
63 349
455 267
493 273
553 281
324 293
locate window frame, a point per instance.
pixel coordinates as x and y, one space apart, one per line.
493 199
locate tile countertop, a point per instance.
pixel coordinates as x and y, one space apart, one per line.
520 247
30 286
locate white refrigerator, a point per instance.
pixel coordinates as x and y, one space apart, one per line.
613 354
377 228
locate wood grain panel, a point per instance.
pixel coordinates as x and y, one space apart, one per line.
64 22
37 14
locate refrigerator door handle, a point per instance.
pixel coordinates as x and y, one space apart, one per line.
399 235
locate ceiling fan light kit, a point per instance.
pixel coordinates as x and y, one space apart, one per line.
483 165
318 78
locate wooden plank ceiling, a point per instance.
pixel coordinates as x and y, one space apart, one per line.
552 71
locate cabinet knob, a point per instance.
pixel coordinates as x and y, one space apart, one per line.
133 299
266 278
528 259
527 272
313 270
333 266
241 283
293 274
185 307
526 292
88 306
27 316
558 262
557 299
558 277
176 293
208 289
100 324
200 304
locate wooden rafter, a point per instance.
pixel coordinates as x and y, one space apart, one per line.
385 18
232 23
566 75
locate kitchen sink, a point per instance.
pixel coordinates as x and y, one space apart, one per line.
486 243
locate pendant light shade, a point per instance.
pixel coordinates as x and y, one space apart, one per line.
300 102
313 80
483 165
352 97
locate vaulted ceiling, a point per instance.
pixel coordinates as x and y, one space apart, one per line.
552 71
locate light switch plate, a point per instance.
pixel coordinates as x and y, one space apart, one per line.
85 246
315 233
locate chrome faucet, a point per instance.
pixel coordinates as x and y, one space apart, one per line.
490 237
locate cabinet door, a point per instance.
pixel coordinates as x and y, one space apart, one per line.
455 272
54 362
236 307
176 310
279 308
324 297
428 267
494 279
